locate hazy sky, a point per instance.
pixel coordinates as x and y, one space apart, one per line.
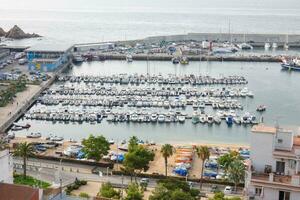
186 5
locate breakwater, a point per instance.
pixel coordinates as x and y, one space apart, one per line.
241 58
255 39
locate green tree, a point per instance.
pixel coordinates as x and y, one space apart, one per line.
236 172
160 193
95 147
204 154
166 150
180 195
134 192
133 143
108 191
225 160
24 150
137 159
173 189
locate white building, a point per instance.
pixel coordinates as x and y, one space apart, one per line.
6 167
273 173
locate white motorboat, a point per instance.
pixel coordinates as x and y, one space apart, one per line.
56 138
129 58
181 118
34 135
161 118
267 46
274 45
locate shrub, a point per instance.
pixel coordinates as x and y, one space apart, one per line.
84 195
83 182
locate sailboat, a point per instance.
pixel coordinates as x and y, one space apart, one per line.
285 45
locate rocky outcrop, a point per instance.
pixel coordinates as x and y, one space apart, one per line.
2 32
17 33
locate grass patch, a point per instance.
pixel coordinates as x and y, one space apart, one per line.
30 181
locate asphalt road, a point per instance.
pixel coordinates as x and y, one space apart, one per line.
51 171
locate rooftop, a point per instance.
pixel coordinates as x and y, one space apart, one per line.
49 48
11 191
261 128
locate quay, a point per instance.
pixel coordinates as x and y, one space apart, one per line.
220 58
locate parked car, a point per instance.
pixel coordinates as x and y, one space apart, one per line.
144 181
228 190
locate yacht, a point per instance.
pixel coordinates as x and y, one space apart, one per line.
229 120
129 58
181 118
153 117
34 135
267 46
184 60
175 60
274 45
245 46
285 46
161 118
293 64
210 119
78 59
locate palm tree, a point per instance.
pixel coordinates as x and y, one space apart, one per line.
166 150
24 150
202 153
236 172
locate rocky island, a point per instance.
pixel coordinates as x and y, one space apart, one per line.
17 33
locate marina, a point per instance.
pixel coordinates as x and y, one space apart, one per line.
95 98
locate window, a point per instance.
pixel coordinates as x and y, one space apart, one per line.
284 195
292 164
280 166
258 191
279 141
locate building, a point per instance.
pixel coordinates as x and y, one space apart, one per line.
47 58
18 192
275 164
94 47
4 53
6 167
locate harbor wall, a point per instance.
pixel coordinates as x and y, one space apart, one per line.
256 39
193 58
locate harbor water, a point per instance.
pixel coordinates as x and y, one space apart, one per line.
277 89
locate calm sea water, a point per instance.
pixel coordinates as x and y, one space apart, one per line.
277 89
101 20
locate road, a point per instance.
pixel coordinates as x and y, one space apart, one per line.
52 171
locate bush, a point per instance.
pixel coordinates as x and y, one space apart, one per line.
75 186
108 191
84 195
83 182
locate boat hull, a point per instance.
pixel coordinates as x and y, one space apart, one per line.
290 67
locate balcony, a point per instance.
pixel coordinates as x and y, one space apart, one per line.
274 180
